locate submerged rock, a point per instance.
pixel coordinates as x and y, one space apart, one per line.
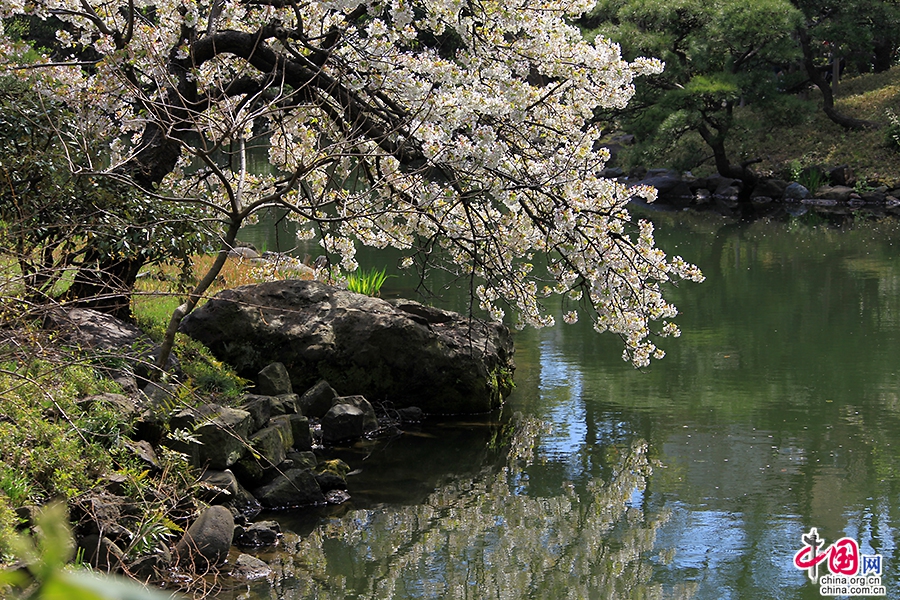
250 568
399 352
262 533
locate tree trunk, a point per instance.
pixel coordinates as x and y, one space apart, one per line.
815 76
196 294
884 57
835 74
726 168
105 285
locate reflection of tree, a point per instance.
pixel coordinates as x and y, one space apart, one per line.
486 537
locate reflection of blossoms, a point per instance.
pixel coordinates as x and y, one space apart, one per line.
461 134
496 533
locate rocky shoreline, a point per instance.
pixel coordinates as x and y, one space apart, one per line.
836 191
269 449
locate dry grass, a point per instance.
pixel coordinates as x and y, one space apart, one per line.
157 294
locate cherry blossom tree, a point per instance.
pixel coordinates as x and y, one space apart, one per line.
459 132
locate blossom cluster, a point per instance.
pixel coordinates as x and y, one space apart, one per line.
459 132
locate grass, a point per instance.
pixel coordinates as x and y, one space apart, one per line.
53 446
158 291
50 446
366 282
807 137
816 140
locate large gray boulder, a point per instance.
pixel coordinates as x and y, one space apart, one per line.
208 539
399 352
101 333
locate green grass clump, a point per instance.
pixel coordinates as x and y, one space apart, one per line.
367 282
49 446
206 375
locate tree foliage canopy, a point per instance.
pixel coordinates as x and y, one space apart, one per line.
724 53
75 236
459 132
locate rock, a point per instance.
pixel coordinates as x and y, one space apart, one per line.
295 487
90 329
364 405
730 193
97 512
317 400
350 417
115 483
842 175
795 192
670 187
286 404
303 460
611 173
840 193
723 186
127 406
359 344
159 398
300 431
332 475
150 566
208 539
330 481
260 409
243 252
221 432
144 451
873 197
250 568
27 515
271 444
102 553
336 496
217 485
251 472
223 487
410 414
274 380
262 533
772 188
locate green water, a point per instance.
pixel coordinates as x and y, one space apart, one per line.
778 410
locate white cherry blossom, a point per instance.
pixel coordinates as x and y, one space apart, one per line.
458 132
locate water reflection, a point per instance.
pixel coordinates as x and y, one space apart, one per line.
488 536
778 410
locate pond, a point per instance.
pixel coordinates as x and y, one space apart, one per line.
777 411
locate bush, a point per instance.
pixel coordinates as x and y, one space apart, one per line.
74 234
